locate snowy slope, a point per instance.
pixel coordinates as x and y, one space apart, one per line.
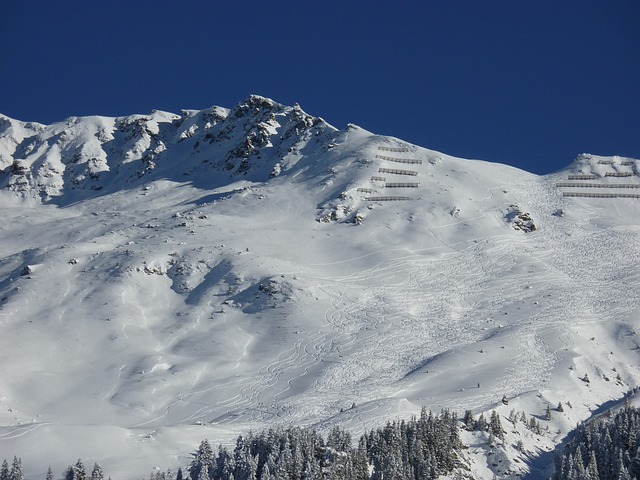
166 278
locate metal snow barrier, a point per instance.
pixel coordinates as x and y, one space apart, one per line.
601 195
627 163
393 149
396 171
599 185
618 174
582 177
605 162
401 185
378 179
365 190
387 199
414 161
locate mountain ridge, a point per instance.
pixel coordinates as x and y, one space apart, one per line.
89 153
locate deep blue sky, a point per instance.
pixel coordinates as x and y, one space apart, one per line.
531 83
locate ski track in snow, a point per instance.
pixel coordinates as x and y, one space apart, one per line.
362 327
365 329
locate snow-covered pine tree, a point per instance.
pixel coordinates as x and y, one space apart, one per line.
245 469
16 472
69 474
79 472
4 470
523 417
534 426
495 426
360 463
223 463
634 464
339 439
203 457
481 424
592 468
468 420
96 473
265 474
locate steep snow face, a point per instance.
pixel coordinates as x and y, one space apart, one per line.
203 274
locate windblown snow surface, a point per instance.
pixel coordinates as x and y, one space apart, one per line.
168 278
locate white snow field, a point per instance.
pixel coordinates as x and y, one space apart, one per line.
168 278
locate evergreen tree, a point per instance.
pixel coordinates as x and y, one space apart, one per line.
534 426
468 420
243 460
265 474
285 460
360 463
523 417
49 474
223 464
623 474
79 471
4 470
201 459
96 473
16 469
495 426
634 465
481 424
70 473
339 439
297 460
579 469
592 468
270 467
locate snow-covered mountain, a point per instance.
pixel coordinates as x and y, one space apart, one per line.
166 278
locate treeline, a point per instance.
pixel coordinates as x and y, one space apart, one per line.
73 472
607 448
421 448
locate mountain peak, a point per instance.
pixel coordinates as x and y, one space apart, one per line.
80 156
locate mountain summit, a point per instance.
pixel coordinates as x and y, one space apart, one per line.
71 159
170 277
